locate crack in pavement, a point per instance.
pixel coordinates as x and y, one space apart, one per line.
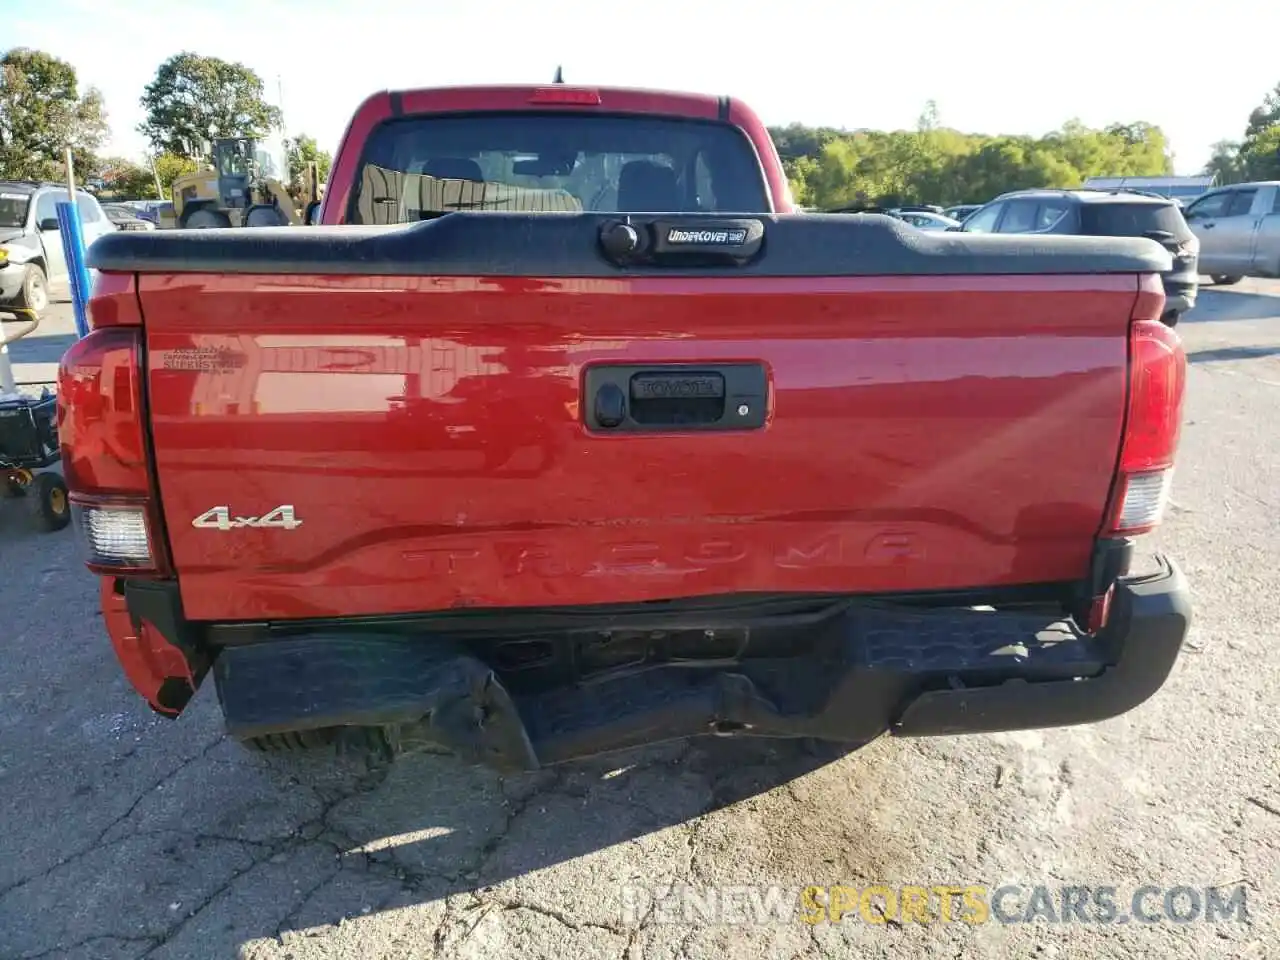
309 832
322 829
558 915
441 932
636 930
447 937
1263 805
259 851
448 941
181 924
98 843
682 949
515 810
691 844
161 781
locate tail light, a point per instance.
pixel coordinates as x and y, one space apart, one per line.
1153 422
102 434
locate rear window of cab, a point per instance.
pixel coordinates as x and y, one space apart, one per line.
418 168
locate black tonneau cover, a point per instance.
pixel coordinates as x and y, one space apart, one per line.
568 245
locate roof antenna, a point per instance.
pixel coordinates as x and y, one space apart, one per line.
559 76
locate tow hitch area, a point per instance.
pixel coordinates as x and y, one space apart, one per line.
846 673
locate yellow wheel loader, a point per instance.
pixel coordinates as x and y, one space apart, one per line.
242 189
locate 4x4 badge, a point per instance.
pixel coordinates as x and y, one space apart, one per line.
220 518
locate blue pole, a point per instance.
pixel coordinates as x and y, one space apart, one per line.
73 249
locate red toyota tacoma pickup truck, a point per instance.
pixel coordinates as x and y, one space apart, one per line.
565 433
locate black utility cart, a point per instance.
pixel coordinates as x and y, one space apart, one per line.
29 447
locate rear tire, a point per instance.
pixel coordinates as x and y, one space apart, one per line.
50 504
265 215
1223 280
204 218
368 740
1171 319
34 294
292 741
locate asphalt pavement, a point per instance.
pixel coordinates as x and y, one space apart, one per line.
125 836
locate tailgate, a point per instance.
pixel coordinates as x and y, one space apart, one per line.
335 443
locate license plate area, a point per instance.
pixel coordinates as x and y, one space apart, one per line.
705 397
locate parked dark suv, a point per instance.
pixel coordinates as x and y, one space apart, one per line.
1099 213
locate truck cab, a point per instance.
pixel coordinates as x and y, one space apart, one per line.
1239 231
498 148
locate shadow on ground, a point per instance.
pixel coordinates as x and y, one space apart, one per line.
41 348
1220 354
1221 304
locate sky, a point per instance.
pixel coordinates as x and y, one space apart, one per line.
990 65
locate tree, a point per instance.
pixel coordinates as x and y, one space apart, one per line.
42 113
929 119
1258 156
1225 162
126 180
1265 116
1261 155
935 164
303 150
171 166
195 98
797 140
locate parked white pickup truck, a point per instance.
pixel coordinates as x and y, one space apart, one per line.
1239 231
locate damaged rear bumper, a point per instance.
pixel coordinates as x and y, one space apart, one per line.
866 669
